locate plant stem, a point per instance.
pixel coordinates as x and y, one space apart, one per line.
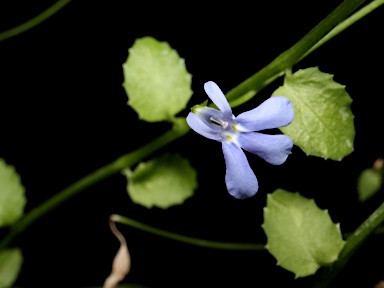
240 99
186 239
346 23
293 55
354 241
34 21
180 128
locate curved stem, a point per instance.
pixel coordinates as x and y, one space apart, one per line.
34 21
180 128
186 239
354 241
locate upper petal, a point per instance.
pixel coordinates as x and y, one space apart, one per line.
217 96
200 127
275 112
239 177
272 148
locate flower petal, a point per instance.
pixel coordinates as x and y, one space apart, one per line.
205 113
239 177
272 148
199 126
275 112
217 96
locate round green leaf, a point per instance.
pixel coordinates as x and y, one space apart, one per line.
368 183
12 198
301 236
323 123
10 265
162 182
156 80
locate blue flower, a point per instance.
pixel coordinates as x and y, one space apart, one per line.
238 132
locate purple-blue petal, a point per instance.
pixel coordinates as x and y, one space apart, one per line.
272 148
239 177
217 96
200 127
275 112
205 113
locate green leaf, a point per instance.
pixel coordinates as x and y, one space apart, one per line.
156 80
323 123
368 183
301 236
163 182
10 265
12 198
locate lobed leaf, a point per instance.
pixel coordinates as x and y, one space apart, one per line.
323 124
162 182
10 265
301 236
12 195
156 80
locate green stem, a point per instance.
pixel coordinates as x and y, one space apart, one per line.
186 239
354 241
180 128
34 21
293 55
346 23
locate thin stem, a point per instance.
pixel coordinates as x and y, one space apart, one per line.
186 239
180 128
34 21
293 55
346 23
354 241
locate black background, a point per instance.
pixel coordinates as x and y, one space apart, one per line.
64 114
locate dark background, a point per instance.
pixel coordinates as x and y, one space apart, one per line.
64 114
